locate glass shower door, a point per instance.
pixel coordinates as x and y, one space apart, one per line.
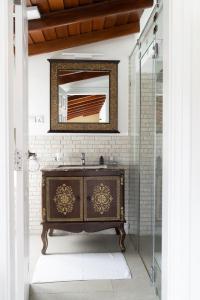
146 132
147 158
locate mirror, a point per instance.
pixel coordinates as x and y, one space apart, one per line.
84 96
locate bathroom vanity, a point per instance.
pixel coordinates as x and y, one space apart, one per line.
87 199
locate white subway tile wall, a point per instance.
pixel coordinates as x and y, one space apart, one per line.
68 149
141 170
147 161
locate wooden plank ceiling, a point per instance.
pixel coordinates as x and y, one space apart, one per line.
84 105
69 23
74 76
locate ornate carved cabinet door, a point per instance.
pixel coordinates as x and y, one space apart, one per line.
64 199
102 200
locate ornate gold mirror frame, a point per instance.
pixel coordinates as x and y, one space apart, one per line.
57 65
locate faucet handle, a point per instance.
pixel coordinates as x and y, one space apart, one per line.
83 158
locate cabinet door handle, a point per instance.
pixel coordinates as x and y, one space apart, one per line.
89 198
78 198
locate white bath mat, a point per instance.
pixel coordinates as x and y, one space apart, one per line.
87 266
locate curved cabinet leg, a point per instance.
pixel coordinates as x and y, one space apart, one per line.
117 231
51 232
122 235
44 239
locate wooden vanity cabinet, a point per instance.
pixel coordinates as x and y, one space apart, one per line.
83 200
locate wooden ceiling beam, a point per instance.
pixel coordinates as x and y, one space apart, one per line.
81 98
86 13
86 100
92 112
85 111
86 107
77 97
86 38
96 100
78 76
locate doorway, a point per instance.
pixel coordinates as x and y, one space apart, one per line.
173 223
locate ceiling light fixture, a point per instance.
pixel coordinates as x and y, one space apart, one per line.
82 55
33 13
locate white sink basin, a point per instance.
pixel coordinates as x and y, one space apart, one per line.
69 167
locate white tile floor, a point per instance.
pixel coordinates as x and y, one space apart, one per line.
137 288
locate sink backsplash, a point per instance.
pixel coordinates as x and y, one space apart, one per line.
68 150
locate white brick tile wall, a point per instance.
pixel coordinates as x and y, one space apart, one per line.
147 154
141 170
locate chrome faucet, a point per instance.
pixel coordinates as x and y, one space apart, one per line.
83 159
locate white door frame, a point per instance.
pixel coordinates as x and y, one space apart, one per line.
13 263
21 139
181 151
7 280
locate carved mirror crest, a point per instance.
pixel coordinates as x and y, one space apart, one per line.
84 96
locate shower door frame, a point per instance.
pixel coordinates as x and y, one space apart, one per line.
150 271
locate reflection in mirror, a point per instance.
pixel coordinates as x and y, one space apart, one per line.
83 96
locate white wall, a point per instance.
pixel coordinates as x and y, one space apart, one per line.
181 205
39 79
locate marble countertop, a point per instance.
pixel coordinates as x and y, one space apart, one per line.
86 167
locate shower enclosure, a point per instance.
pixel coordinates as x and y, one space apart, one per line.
146 99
